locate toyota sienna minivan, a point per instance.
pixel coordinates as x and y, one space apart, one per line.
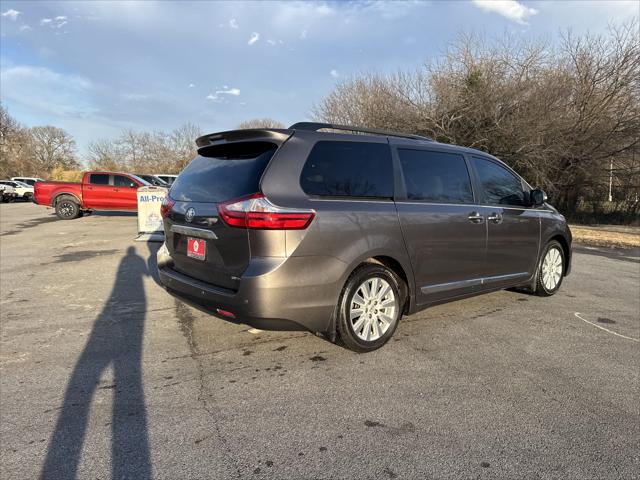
343 233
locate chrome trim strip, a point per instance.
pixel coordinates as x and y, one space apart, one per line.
498 278
194 232
441 287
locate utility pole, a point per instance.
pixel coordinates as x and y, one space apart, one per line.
610 179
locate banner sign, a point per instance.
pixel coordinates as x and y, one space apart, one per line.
149 201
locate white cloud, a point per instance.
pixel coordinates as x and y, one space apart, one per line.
255 36
47 91
24 28
511 9
334 73
303 34
233 23
12 14
219 95
57 22
271 42
191 85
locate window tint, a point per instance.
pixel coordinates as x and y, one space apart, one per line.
499 185
348 169
436 176
223 172
99 179
122 181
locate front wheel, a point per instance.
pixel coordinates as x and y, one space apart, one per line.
551 270
370 307
67 209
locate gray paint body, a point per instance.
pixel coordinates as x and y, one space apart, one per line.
293 279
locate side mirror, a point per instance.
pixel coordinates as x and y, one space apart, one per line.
537 197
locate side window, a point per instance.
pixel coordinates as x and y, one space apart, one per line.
99 179
348 169
436 177
499 185
122 181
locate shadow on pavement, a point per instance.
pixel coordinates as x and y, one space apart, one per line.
115 341
623 254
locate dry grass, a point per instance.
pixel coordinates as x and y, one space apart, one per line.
603 236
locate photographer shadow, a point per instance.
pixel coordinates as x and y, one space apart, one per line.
116 341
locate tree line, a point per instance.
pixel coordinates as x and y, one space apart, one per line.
50 152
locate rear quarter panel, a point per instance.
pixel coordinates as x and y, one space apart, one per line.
46 192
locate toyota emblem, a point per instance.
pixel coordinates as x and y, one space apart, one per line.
189 215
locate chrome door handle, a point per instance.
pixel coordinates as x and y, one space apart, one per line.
495 218
475 217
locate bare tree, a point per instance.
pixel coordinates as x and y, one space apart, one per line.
261 123
52 147
559 115
146 152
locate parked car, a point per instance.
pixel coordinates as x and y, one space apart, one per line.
98 191
28 180
153 180
23 190
7 193
344 233
167 178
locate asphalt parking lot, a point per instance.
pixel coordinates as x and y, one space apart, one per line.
103 374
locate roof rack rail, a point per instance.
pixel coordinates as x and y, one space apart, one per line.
314 127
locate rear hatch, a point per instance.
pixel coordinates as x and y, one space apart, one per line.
223 170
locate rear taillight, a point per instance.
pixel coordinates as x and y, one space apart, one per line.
257 212
167 205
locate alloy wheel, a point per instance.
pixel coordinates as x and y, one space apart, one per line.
373 309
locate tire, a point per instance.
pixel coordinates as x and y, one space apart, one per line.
67 208
380 313
550 270
27 197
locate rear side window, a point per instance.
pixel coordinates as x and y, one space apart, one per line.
223 172
348 169
435 177
99 179
499 185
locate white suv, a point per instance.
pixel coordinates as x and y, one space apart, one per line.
22 190
7 193
27 180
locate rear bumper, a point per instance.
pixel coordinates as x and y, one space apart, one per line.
275 293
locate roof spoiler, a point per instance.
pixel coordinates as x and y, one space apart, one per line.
276 135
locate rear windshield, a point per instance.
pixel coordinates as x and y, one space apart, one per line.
223 172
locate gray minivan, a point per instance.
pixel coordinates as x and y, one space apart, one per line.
308 228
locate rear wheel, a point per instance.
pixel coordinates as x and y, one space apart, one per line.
67 208
370 307
551 270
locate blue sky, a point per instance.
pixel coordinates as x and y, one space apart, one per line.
95 68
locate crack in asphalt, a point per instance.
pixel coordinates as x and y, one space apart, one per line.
185 322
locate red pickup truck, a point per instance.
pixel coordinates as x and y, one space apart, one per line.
98 191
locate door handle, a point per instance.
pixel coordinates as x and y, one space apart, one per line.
116 189
495 218
475 217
